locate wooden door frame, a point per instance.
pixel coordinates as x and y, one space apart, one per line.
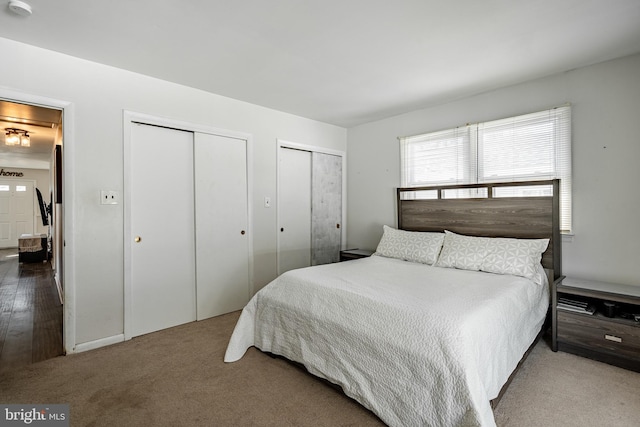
131 117
280 143
68 206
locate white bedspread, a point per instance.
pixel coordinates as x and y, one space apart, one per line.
417 345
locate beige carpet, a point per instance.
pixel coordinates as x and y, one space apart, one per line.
561 389
176 377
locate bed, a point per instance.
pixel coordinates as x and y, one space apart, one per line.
422 333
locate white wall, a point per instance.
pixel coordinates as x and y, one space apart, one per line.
605 102
98 95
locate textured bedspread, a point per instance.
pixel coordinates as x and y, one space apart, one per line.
417 345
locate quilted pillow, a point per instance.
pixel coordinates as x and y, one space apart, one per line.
519 257
501 255
415 246
463 252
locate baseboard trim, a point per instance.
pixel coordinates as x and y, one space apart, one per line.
102 342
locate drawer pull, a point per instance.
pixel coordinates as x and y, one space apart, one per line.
612 338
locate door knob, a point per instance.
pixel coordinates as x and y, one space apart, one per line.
137 239
242 232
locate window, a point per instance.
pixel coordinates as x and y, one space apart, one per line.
530 147
21 188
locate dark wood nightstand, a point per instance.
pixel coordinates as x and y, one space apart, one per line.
349 254
611 334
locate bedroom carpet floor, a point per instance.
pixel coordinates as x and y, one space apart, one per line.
176 377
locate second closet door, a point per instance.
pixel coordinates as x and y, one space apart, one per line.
326 208
294 209
222 240
163 292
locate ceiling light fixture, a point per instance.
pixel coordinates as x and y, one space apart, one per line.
20 8
17 137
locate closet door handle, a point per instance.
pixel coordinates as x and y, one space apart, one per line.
243 232
282 229
137 239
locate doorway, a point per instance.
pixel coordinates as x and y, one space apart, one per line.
32 320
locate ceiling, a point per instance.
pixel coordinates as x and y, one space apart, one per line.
345 62
41 123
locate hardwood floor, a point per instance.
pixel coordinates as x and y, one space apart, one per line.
30 312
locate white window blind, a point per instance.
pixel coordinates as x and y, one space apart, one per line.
530 147
437 158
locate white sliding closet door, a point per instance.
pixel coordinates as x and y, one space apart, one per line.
294 209
222 245
162 244
326 208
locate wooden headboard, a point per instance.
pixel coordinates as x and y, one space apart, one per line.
488 210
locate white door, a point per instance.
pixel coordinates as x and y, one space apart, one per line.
294 209
16 211
23 201
162 243
222 245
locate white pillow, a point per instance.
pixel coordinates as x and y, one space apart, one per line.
501 255
415 246
520 257
463 252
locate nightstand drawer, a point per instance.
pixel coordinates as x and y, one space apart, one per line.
598 333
